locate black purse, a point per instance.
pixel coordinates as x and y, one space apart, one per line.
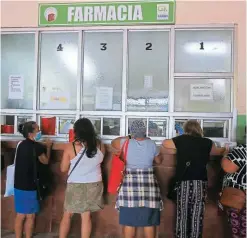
175 182
42 179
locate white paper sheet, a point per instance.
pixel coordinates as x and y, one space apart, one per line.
148 81
201 92
104 98
16 87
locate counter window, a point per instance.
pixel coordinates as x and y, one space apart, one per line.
58 70
97 124
161 75
156 127
102 71
203 51
7 124
148 71
111 126
48 125
17 70
215 129
202 95
23 119
64 124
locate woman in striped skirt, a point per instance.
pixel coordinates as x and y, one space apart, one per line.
192 150
139 200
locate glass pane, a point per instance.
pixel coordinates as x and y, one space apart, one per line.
48 125
65 124
218 129
130 121
102 80
179 127
203 51
23 119
203 95
17 70
7 124
58 75
96 123
111 126
157 128
179 123
148 77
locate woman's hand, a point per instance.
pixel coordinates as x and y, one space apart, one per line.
48 143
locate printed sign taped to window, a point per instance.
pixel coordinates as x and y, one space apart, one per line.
200 92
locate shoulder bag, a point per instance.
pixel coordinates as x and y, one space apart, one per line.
10 176
175 183
43 186
117 172
233 197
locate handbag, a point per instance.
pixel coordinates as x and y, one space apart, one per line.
117 172
233 197
42 185
175 183
10 176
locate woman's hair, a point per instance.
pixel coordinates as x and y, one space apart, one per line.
84 132
26 128
192 127
138 129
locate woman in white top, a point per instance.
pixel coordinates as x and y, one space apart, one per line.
82 160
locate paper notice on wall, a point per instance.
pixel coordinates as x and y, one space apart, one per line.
104 98
16 87
200 92
58 100
148 81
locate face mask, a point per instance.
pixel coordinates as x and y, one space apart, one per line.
38 136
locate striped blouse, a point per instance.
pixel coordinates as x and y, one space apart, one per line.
237 179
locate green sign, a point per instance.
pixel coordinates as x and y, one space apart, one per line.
107 13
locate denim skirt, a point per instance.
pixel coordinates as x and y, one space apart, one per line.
26 202
139 216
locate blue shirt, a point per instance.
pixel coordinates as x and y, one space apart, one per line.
140 154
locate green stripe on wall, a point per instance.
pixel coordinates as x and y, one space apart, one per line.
241 123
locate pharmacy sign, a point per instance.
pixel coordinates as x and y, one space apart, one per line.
107 13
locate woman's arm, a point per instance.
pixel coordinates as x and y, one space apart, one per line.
168 147
102 148
228 166
65 160
45 158
116 147
217 150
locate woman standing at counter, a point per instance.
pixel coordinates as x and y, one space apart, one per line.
234 164
139 199
25 192
194 152
84 191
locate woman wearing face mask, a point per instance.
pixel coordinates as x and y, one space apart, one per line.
25 191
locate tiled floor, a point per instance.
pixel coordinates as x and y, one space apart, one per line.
10 234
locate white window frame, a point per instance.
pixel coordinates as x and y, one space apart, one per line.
124 114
